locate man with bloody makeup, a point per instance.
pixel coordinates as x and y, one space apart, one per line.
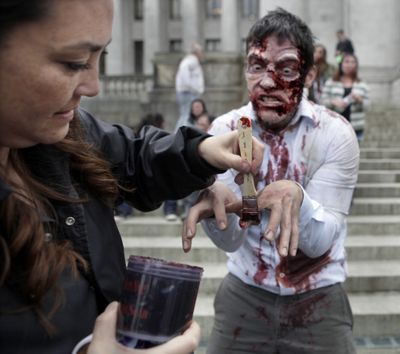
283 293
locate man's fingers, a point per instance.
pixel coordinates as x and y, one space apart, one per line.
274 221
234 207
294 241
220 213
189 228
286 226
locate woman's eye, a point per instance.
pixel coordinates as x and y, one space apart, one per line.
77 66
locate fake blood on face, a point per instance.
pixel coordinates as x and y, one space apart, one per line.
284 86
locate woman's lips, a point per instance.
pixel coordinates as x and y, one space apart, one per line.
67 115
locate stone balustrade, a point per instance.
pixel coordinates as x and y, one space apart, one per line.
133 87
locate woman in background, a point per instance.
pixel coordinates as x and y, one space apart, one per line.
324 71
346 94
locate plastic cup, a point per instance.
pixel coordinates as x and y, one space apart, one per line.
157 301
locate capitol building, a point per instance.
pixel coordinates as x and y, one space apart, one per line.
151 36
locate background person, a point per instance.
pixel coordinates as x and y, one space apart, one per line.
323 72
347 94
62 170
344 45
189 81
283 292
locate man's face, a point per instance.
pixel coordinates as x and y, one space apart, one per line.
274 81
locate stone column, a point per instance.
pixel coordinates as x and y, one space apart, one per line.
120 58
155 31
230 24
374 30
192 15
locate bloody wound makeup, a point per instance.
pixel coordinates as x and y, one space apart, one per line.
275 80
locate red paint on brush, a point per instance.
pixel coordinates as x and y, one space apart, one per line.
250 213
245 121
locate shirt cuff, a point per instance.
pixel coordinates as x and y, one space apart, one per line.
230 239
307 209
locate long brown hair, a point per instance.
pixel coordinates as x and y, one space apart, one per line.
29 264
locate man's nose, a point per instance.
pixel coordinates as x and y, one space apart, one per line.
268 79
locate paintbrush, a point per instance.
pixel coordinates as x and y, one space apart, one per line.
250 213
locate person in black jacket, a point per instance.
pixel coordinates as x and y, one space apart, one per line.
343 46
62 171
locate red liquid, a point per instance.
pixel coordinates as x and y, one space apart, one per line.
155 305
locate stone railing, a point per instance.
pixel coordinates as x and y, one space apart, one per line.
133 87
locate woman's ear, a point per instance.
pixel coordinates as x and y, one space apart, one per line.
312 73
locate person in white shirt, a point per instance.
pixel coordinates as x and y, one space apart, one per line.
189 82
283 293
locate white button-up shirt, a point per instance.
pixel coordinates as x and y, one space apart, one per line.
319 150
190 75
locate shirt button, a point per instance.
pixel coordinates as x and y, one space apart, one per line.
282 275
48 237
70 221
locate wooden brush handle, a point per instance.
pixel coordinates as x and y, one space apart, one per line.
246 147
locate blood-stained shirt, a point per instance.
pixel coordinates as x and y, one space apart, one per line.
319 150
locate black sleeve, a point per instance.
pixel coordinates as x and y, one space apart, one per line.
156 164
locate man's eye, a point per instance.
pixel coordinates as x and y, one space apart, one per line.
255 68
77 66
287 71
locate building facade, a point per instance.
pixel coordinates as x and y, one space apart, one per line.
150 37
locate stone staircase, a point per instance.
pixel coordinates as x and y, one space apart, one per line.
373 248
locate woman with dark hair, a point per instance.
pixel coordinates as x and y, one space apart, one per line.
197 107
323 71
346 94
62 171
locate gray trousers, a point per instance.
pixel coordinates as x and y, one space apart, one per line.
251 320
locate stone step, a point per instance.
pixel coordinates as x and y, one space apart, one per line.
372 247
361 348
364 345
379 153
376 142
157 226
377 190
373 225
379 164
375 206
375 314
358 248
378 176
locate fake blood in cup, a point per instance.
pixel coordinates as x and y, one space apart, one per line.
157 301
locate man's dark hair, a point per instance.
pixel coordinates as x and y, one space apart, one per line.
284 25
